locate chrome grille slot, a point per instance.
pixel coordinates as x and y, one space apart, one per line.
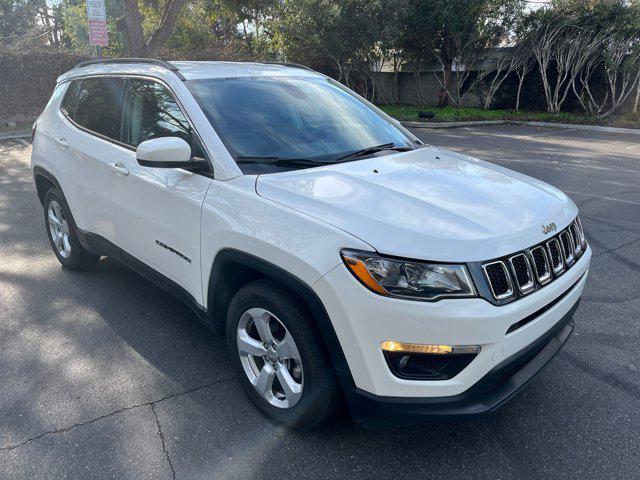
567 247
541 264
555 256
583 240
575 236
522 272
499 280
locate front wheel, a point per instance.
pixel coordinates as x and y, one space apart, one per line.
279 355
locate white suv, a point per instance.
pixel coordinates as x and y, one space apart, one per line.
341 256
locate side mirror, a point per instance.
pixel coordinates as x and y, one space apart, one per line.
168 152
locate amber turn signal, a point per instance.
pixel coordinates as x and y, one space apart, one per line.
361 272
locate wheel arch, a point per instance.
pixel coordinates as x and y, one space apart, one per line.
45 180
232 269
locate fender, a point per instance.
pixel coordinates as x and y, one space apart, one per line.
218 299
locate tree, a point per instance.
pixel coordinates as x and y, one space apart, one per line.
252 15
522 64
558 45
575 42
329 35
28 22
130 24
455 34
393 14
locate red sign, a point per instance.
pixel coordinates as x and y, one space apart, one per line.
98 33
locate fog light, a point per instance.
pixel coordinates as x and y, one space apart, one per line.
390 346
414 361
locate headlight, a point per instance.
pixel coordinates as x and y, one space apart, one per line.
410 279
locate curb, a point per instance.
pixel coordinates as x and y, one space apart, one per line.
480 123
593 128
16 134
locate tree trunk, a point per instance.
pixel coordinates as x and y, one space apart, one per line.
164 30
130 24
636 103
394 89
520 82
131 27
418 81
443 96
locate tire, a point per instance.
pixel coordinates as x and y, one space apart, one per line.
65 245
320 394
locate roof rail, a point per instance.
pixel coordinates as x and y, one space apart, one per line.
150 61
291 65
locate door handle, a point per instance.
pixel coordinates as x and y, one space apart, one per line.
120 170
62 143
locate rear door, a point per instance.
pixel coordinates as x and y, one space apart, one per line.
91 112
157 210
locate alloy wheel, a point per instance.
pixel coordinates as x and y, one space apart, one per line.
270 358
59 229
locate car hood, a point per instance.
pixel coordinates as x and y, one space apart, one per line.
426 203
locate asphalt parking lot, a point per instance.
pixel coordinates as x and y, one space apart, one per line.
102 375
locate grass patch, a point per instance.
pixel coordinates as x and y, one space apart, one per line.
465 114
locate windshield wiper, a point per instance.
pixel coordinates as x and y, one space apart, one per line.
281 161
374 149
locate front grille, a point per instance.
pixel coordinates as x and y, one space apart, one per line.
536 266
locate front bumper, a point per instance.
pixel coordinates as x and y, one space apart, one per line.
363 320
492 391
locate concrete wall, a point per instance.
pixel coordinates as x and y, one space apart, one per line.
407 91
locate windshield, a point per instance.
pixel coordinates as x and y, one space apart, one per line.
267 123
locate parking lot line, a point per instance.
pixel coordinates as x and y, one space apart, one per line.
604 197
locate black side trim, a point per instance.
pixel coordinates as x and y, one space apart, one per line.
228 257
101 246
191 166
491 392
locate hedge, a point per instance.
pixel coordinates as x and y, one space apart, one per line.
27 80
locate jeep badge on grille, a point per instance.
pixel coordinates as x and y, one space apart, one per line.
548 228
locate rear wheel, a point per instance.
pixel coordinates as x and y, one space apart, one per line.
63 235
279 355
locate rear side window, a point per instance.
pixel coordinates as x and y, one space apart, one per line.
94 103
68 105
150 111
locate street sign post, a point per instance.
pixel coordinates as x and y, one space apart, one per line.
97 18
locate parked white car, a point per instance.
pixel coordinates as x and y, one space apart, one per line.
340 255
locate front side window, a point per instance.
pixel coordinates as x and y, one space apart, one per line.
94 104
150 111
287 118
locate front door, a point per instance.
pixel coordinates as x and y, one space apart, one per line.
157 210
